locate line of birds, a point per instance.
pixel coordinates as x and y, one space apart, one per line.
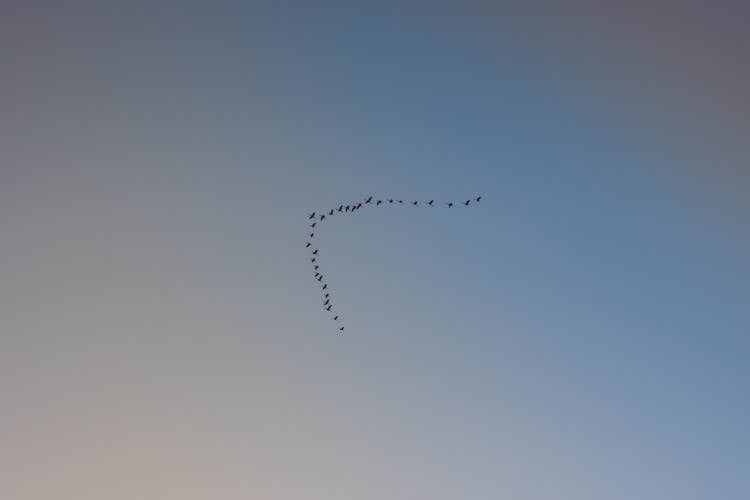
318 217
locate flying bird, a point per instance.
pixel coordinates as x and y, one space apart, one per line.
359 205
312 216
331 212
478 198
341 329
307 245
450 204
325 285
390 201
316 267
341 207
414 203
400 201
326 295
430 202
312 260
315 252
320 277
313 224
335 318
467 202
368 200
347 208
378 202
326 302
329 307
322 217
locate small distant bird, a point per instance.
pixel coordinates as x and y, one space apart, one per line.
359 205
400 201
341 207
347 208
331 212
312 260
316 267
312 216
326 302
320 277
450 204
368 200
316 274
326 295
329 307
341 329
322 217
478 198
312 235
335 318
390 201
307 245
315 252
430 202
325 286
313 224
414 203
467 202
378 202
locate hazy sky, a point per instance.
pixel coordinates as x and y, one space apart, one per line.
582 334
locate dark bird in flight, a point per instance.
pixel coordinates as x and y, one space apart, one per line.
312 260
325 286
390 201
359 205
335 318
478 198
400 201
347 208
430 202
341 207
341 329
313 224
316 267
467 202
320 277
450 204
322 217
368 200
326 295
329 308
316 274
315 252
414 203
378 202
312 216
326 302
307 245
331 212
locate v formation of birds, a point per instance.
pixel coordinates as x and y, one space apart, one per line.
318 217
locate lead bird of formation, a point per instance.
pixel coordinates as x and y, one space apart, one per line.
318 217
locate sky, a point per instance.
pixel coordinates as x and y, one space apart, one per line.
580 334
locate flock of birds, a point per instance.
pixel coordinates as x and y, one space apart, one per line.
318 217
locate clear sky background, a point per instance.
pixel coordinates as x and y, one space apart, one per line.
582 334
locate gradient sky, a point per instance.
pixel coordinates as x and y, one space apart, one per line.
582 334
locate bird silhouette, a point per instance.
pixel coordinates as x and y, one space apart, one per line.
325 285
320 277
378 202
414 203
430 202
307 245
313 224
341 329
329 307
400 201
315 252
450 204
331 212
341 207
368 200
359 205
312 260
326 295
322 217
347 208
467 202
316 266
390 201
326 302
478 198
312 216
335 318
